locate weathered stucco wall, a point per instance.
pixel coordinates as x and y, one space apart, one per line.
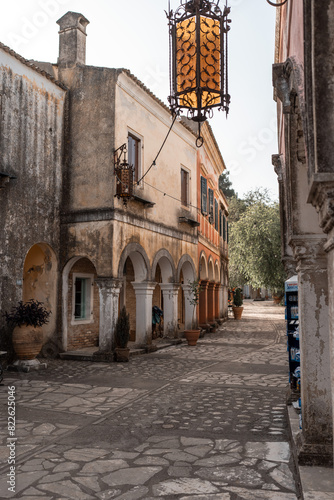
89 137
139 113
31 126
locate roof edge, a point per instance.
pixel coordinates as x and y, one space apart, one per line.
32 66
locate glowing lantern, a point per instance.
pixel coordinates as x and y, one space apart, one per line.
198 58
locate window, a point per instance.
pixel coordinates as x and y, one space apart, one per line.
224 228
210 206
220 223
184 187
204 196
134 154
216 215
82 298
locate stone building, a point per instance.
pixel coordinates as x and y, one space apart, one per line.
302 76
213 233
31 139
92 253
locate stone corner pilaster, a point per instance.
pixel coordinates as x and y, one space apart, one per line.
309 250
321 196
314 454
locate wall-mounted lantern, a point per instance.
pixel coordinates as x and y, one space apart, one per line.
124 175
198 59
277 4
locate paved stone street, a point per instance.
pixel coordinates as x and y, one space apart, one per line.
206 422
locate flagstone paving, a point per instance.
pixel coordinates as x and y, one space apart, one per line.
206 422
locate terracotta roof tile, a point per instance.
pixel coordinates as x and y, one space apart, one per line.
32 65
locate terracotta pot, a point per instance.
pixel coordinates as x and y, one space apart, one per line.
192 336
237 311
27 341
122 354
277 299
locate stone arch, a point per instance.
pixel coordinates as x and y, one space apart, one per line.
186 273
167 266
187 266
203 267
139 259
211 272
217 272
40 282
91 323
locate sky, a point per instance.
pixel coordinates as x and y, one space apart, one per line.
133 34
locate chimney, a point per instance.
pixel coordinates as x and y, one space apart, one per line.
72 39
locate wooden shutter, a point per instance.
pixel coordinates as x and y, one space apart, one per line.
216 215
133 154
224 228
204 195
220 223
184 187
211 205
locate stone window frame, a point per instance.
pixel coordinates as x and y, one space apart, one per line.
188 177
89 299
140 141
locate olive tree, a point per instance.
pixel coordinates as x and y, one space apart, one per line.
255 245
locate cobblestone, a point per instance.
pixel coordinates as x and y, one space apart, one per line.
205 423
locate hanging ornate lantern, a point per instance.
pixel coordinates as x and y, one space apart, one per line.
198 59
124 175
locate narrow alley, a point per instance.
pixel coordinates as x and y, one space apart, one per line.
206 422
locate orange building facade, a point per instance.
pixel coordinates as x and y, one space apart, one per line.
212 234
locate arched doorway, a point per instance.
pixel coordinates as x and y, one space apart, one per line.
165 294
211 292
186 274
81 305
218 291
40 282
203 296
136 292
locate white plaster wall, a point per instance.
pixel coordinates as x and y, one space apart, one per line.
137 111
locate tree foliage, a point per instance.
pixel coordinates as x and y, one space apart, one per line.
255 242
225 185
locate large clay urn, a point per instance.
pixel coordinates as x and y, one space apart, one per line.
237 312
192 336
27 341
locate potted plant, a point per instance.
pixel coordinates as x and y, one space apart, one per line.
193 335
237 304
278 296
122 334
27 319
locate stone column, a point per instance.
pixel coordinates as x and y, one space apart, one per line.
315 440
188 308
170 292
211 302
217 293
109 290
203 304
144 295
329 248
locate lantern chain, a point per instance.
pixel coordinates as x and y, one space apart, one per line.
155 159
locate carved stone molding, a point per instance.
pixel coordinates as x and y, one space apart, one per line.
321 196
309 251
288 82
289 265
282 87
109 284
277 161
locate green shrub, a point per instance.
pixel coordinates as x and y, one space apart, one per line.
238 301
122 332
